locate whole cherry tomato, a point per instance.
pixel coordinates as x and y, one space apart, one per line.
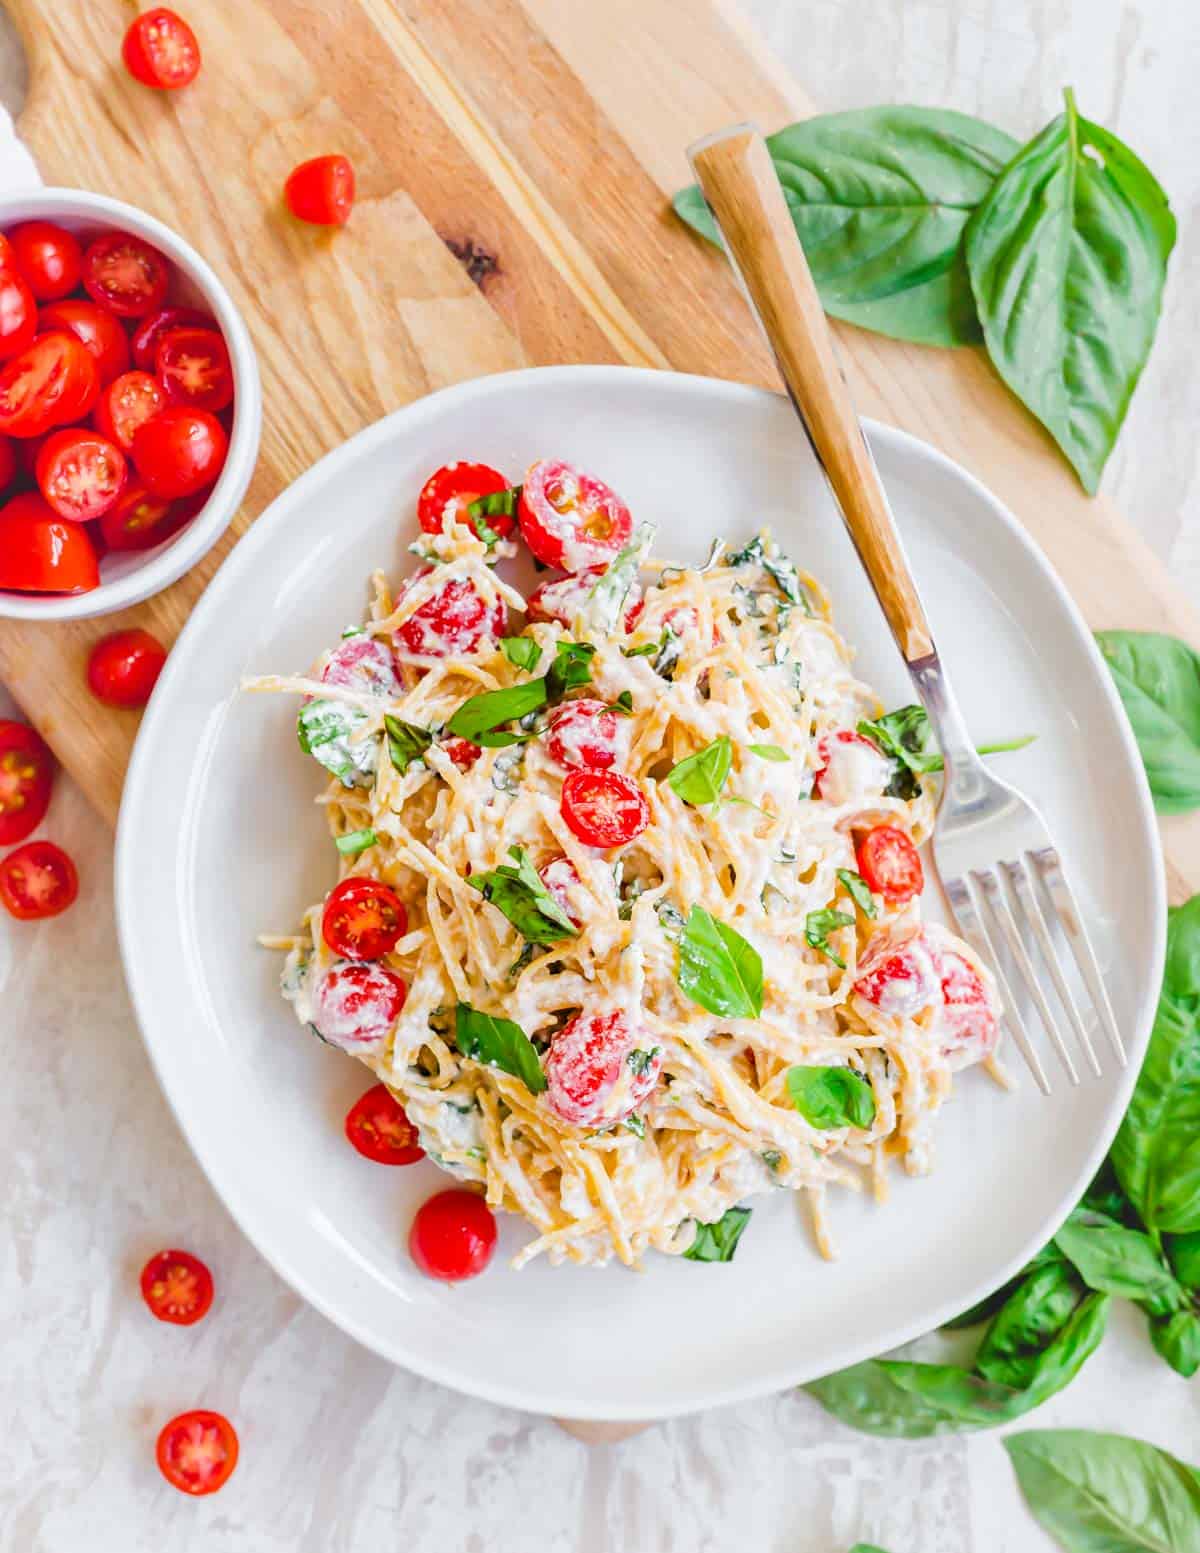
363 918
321 191
94 327
80 473
584 733
450 490
18 313
37 880
379 1128
355 1005
125 275
40 553
178 451
124 667
453 1236
161 50
197 1452
49 258
177 1287
26 778
193 367
589 1079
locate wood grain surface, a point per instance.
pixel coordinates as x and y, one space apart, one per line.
514 161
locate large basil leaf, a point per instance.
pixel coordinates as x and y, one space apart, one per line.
699 778
1176 1338
520 894
1183 1251
1067 255
1118 1260
1104 1493
1032 1316
719 969
987 1307
1158 679
831 1097
717 1242
499 1042
479 715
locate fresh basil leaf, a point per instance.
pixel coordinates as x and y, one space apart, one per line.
520 894
718 969
639 1062
1067 256
521 651
699 778
496 504
571 668
1183 1252
991 1303
1106 1493
623 703
718 1242
831 1097
786 578
1176 1339
635 1124
907 737
769 752
406 742
1158 680
324 730
355 841
646 650
1117 1260
1032 1316
493 708
500 1043
609 591
817 927
859 891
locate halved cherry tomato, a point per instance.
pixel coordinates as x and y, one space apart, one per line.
850 766
177 1287
80 473
363 918
448 492
161 50
462 752
604 808
890 864
138 520
321 191
49 258
561 599
8 463
561 878
355 1005
26 777
453 1236
179 451
197 1452
125 275
584 733
51 383
898 974
18 313
94 327
39 553
193 367
37 880
127 403
123 668
571 519
589 1079
379 1128
456 619
967 1022
148 335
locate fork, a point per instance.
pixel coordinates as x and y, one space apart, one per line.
1002 874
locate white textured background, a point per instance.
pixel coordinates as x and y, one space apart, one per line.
340 1452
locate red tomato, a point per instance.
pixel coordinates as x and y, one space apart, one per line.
562 599
18 313
897 974
148 335
51 383
80 473
125 275
363 663
456 620
48 258
561 878
590 1081
571 519
161 50
26 777
39 553
123 668
179 451
850 766
378 1127
8 463
604 808
462 752
197 1452
453 1236
363 919
448 492
890 864
584 733
356 1005
37 880
967 1023
127 403
138 520
321 191
93 327
177 1287
193 367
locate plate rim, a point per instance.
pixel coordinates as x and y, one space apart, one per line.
244 555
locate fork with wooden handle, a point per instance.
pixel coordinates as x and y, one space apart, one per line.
1002 873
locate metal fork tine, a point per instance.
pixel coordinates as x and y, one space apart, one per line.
971 926
1023 887
1062 896
993 892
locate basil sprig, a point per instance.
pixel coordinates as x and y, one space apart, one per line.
520 894
355 841
1158 680
831 1097
717 1242
719 969
817 927
406 742
699 778
500 1043
907 737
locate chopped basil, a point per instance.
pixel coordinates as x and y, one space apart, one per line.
670 919
634 1123
749 555
784 574
718 1242
521 651
406 742
831 1097
719 969
571 668
324 730
859 891
646 650
523 959
769 752
611 588
639 1060
477 717
353 631
496 504
520 894
906 736
817 927
699 778
623 704
355 842
506 769
772 1158
500 1043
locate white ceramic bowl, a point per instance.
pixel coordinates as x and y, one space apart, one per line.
128 577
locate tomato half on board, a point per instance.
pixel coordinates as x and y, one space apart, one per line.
453 1236
40 553
161 50
125 275
604 808
37 880
94 327
18 313
123 668
197 1452
378 1127
48 257
363 918
194 368
26 778
569 518
449 491
179 451
52 382
890 863
79 473
321 190
177 1287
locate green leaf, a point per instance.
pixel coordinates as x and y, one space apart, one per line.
491 709
719 969
324 730
699 778
1158 680
406 742
520 894
769 752
499 1043
1118 1260
1067 256
639 1061
831 1097
623 704
496 504
609 591
1176 1339
1105 1493
521 651
817 927
866 1547
859 891
355 841
571 668
718 1242
907 737
1183 1252
1033 1315
940 311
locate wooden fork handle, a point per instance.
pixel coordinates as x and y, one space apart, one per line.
738 180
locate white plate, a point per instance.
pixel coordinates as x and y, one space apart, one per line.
219 840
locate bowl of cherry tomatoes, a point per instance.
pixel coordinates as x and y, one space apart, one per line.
130 405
